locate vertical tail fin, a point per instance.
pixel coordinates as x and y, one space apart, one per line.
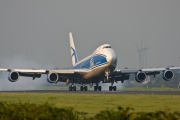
73 50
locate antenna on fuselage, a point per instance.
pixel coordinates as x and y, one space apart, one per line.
73 50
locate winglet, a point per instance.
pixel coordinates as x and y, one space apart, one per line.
73 50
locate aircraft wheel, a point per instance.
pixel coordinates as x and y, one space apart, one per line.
114 88
99 88
110 88
85 88
81 88
95 88
74 88
70 88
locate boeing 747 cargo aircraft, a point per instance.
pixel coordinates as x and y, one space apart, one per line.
98 67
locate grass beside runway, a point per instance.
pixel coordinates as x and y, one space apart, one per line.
93 103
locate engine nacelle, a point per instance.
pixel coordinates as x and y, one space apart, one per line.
13 76
140 77
168 75
52 77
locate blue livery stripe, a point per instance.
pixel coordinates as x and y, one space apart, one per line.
74 54
92 62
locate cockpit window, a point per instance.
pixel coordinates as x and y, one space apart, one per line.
106 47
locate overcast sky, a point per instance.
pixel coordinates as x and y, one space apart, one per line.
34 33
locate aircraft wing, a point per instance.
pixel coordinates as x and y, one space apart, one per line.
140 74
41 71
14 74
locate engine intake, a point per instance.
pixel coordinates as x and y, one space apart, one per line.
52 77
140 77
13 76
168 75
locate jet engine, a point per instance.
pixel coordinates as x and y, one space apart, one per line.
52 77
13 76
140 77
168 75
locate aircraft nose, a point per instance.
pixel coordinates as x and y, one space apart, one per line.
111 57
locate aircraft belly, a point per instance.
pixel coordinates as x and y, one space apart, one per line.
95 72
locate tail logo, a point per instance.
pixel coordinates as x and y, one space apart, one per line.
74 54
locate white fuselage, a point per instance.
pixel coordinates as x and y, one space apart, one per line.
101 60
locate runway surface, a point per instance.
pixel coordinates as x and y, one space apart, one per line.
103 92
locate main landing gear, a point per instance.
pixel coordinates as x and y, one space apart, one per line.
97 87
72 87
83 88
112 88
